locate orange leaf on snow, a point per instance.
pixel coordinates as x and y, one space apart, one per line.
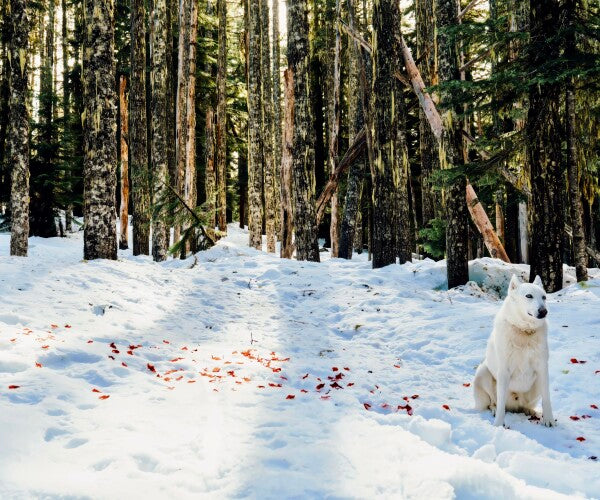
415 396
67 326
90 341
350 384
319 387
290 396
271 384
216 369
14 386
303 390
45 346
446 407
574 417
467 384
53 326
216 358
105 396
594 407
580 439
397 366
231 373
113 345
39 365
184 348
95 390
346 368
246 379
334 368
260 386
124 364
13 340
174 360
130 353
166 342
367 406
191 381
151 368
335 385
325 397
116 351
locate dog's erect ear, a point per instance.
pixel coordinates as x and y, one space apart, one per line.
538 281
514 284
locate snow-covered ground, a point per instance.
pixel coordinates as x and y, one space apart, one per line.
238 374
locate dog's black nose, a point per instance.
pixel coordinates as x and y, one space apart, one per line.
542 313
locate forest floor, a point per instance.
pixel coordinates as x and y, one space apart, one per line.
237 374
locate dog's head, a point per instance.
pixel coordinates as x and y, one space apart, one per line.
529 298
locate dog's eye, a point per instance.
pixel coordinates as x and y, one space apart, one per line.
544 297
529 296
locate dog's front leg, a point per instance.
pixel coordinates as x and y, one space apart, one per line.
547 416
501 395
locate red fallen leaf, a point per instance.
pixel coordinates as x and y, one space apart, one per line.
95 390
290 396
231 373
215 390
179 378
53 326
574 417
174 360
325 397
305 376
335 385
574 360
166 342
367 406
216 358
385 406
90 341
112 357
594 407
467 384
319 387
580 439
346 368
184 348
14 386
397 366
216 369
283 378
260 386
415 396
116 351
405 398
406 407
39 365
238 382
339 376
12 340
303 390
596 372
446 407
151 368
276 370
191 381
246 379
45 346
350 384
130 353
124 364
271 384
105 396
67 326
227 362
334 368
112 344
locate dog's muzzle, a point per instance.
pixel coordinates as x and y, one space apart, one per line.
542 313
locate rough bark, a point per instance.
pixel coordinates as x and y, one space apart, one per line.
287 224
277 117
124 213
18 128
451 155
221 125
159 103
255 159
140 178
543 147
100 158
305 222
575 205
210 178
270 194
428 147
66 98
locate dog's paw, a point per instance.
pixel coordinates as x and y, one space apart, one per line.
549 422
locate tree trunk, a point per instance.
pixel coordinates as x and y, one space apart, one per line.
255 158
140 178
210 178
287 224
221 126
268 129
124 215
100 159
277 131
544 157
428 146
457 229
303 162
18 128
575 205
160 167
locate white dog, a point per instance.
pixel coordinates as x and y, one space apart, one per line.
514 373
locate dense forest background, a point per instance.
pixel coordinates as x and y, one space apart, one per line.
432 128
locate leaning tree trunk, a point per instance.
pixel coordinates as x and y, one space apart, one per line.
428 145
221 126
575 205
100 157
140 178
18 128
255 167
124 214
268 129
544 156
160 168
303 161
457 223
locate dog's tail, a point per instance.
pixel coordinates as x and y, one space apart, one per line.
482 385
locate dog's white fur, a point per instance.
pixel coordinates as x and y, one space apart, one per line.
514 373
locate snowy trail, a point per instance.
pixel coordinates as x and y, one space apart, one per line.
171 428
